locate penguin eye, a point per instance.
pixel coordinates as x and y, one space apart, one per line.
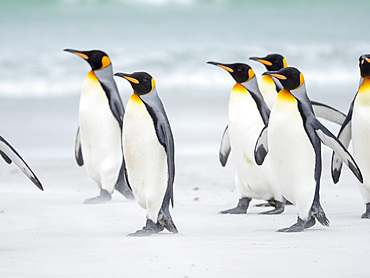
238 70
145 80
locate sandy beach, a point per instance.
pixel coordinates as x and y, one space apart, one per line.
52 234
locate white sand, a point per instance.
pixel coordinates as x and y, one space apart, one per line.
52 234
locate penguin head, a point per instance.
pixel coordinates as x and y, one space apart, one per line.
364 63
289 77
272 62
240 72
97 59
142 82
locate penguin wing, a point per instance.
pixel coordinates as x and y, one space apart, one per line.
332 142
10 155
78 151
261 148
225 147
344 136
328 113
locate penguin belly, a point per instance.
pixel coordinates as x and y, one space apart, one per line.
361 135
145 157
268 90
292 156
245 125
100 135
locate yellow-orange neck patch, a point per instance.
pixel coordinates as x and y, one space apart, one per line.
239 88
286 96
268 79
135 98
365 86
91 75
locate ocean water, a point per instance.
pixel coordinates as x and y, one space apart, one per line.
172 40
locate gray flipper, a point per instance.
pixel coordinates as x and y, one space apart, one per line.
122 185
10 155
162 126
328 113
261 149
105 77
78 151
225 147
344 136
331 141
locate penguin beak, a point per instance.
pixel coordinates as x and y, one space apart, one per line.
275 74
127 77
224 66
261 60
365 59
78 53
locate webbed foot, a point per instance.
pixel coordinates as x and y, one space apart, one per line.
149 229
299 226
104 196
241 207
279 208
167 222
367 212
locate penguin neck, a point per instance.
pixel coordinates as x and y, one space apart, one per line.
104 75
363 94
301 95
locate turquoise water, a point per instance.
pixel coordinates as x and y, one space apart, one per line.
173 40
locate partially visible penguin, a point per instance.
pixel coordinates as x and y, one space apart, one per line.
9 154
98 140
357 128
248 114
270 86
148 146
293 139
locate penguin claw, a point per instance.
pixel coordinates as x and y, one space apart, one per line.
241 207
279 208
149 229
299 226
366 215
104 196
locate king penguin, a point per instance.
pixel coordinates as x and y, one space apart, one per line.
293 139
148 146
9 154
248 114
270 86
357 128
98 141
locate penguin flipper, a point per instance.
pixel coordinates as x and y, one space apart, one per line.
11 155
344 136
261 149
332 142
122 185
225 147
78 151
328 113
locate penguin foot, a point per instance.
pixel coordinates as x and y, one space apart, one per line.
149 229
104 196
299 226
367 212
279 208
167 222
241 207
319 213
270 203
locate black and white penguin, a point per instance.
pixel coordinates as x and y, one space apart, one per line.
293 139
98 140
148 146
357 128
248 114
270 86
9 154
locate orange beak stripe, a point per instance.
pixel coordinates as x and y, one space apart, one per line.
267 63
82 55
279 76
226 68
367 60
133 80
